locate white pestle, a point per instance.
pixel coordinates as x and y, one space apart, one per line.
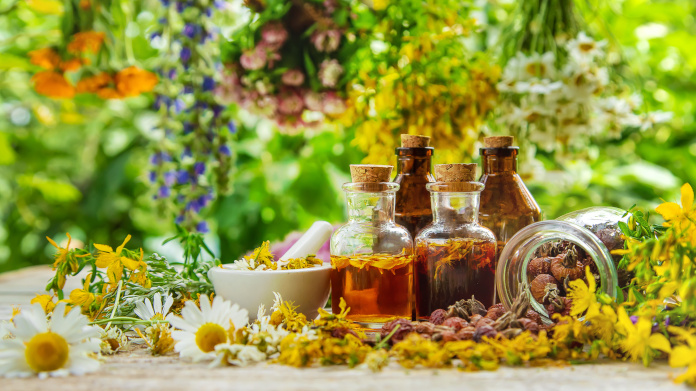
309 243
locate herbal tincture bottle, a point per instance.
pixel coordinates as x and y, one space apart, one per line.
372 256
506 204
454 255
413 172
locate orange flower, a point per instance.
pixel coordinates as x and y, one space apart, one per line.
85 4
94 83
53 85
86 40
46 58
133 81
70 65
109 93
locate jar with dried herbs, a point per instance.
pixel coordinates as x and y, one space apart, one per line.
372 256
454 255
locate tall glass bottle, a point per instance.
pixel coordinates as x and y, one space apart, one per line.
372 256
507 206
413 172
454 255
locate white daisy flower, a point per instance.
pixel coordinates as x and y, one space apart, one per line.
113 340
64 345
656 117
237 354
246 264
155 309
534 66
200 330
584 49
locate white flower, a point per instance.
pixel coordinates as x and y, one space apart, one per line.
585 49
201 330
655 117
329 73
246 264
539 87
155 309
113 340
238 354
64 345
534 66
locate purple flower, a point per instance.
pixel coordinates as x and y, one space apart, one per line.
225 150
326 40
232 126
634 319
165 3
253 59
153 176
180 6
162 20
189 30
169 178
179 219
293 77
208 83
188 89
156 34
182 176
220 4
186 153
179 106
329 73
202 227
217 110
274 35
163 191
185 54
290 103
171 74
159 157
188 127
199 168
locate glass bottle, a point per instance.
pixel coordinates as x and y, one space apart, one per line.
413 172
454 255
507 206
372 256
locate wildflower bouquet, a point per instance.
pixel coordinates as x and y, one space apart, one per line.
292 62
418 75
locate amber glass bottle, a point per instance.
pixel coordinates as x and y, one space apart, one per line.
413 172
506 204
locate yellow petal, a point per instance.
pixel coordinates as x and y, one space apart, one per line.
590 280
659 342
129 263
120 248
668 210
103 248
53 243
681 356
687 197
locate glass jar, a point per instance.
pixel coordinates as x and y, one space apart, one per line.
413 172
372 257
594 231
507 206
454 254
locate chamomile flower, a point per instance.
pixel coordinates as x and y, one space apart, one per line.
238 354
584 49
64 345
113 340
200 330
155 309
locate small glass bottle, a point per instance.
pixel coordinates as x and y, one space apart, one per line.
454 255
372 256
506 204
413 172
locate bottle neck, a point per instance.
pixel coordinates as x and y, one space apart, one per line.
375 208
499 160
461 208
414 161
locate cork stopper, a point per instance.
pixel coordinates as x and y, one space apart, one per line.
498 141
370 173
461 172
414 141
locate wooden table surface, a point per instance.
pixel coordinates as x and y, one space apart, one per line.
137 370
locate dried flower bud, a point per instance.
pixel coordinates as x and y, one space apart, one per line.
466 334
495 311
484 331
529 325
568 266
511 333
465 308
456 323
438 316
533 315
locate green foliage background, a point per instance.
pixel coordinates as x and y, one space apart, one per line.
80 166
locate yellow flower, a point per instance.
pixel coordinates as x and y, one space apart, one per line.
82 297
684 355
46 302
583 296
379 5
86 41
602 321
679 217
415 350
263 255
53 85
639 342
65 261
114 261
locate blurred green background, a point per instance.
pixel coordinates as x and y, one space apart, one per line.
80 166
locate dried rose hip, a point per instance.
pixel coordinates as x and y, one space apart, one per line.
495 312
541 285
456 323
529 324
467 333
484 331
533 315
405 328
473 320
425 328
541 265
438 316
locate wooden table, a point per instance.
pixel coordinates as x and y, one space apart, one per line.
137 370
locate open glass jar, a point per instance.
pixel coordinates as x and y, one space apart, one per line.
582 238
372 257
